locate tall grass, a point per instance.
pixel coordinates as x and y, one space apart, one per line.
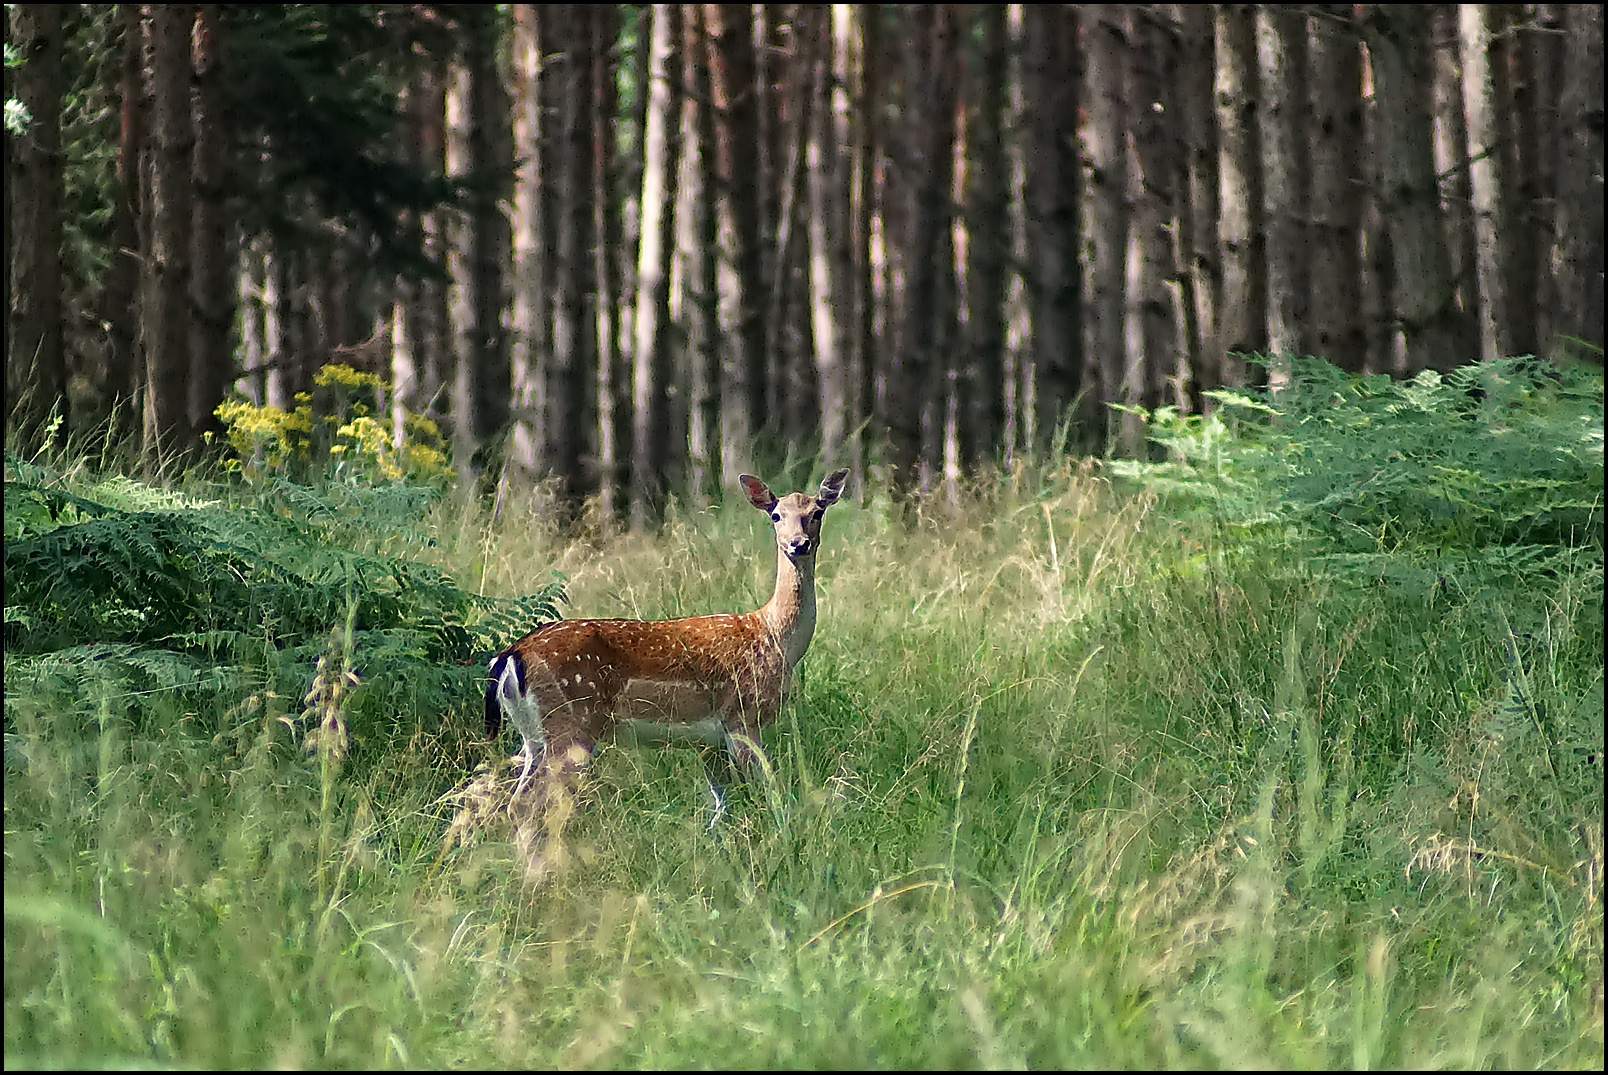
1068 781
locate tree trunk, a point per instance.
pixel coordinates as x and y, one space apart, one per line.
1337 179
1514 55
1109 216
571 397
797 412
1237 89
529 225
1488 136
652 451
923 188
863 201
428 324
982 416
1451 154
167 426
1162 360
697 243
613 376
1434 331
1051 203
36 370
120 301
1580 193
1542 48
491 153
1203 268
211 301
1281 62
730 36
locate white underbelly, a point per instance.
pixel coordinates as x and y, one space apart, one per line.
637 732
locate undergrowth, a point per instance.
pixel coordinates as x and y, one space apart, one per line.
1284 751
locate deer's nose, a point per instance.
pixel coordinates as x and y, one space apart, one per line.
799 546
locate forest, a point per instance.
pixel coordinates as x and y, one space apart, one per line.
1209 659
639 250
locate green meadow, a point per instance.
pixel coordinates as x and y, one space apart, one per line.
1282 750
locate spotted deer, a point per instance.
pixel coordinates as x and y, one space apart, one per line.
716 680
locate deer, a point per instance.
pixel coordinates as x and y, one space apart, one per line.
716 680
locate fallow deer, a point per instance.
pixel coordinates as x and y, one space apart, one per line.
715 679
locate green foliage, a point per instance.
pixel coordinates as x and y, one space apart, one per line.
1494 469
131 583
319 84
1072 779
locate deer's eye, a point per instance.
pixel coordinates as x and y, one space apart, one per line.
776 516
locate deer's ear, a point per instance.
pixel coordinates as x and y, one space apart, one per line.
759 494
832 488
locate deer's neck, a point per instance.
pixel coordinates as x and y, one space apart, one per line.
789 615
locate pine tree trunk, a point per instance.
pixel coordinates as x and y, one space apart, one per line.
613 372
1580 190
652 450
492 155
427 323
1281 62
1109 215
698 246
730 36
36 372
1051 203
1515 56
571 396
862 33
167 426
211 299
120 302
1153 65
529 225
1240 229
1203 269
1433 329
1542 46
923 189
1337 179
1452 155
1488 135
982 416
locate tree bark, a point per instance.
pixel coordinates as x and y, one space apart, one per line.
36 361
530 224
1161 362
1051 202
982 417
924 167
1203 269
1337 182
167 426
698 249
652 451
1109 218
211 300
121 378
1580 183
1240 229
1450 125
1434 331
730 37
1281 62
831 325
572 396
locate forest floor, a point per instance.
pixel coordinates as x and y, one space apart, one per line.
1068 780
